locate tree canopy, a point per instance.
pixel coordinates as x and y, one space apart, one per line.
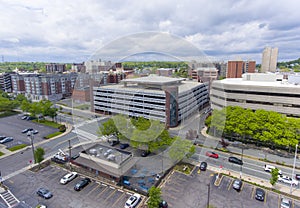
154 197
265 127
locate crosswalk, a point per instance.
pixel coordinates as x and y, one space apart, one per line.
9 198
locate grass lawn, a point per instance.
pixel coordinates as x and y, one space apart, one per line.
48 123
53 135
184 167
17 147
1 153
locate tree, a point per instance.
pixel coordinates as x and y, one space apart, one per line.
274 176
39 155
154 197
108 128
181 148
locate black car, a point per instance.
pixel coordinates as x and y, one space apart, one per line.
145 153
203 166
260 194
124 146
113 142
163 204
27 130
237 184
235 160
81 184
297 177
42 192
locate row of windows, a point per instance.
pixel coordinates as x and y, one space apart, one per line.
287 94
257 102
129 93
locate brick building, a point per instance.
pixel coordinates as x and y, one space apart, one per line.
235 69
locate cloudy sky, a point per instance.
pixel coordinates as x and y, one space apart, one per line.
72 31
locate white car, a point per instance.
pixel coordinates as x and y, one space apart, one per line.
288 180
69 177
269 168
133 201
285 203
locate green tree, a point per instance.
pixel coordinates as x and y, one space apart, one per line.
181 148
274 176
154 197
108 128
39 155
25 105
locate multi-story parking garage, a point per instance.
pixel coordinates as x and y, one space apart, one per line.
257 91
169 100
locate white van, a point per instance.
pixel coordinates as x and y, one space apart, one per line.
269 168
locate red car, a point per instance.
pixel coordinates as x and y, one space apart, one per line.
212 154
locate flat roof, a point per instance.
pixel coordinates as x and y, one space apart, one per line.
240 81
154 80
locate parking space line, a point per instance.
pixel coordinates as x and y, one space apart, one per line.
102 192
113 205
93 190
241 188
265 201
230 184
252 195
112 193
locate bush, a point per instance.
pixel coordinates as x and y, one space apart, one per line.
1 153
62 128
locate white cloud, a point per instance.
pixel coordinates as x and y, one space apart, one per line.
76 29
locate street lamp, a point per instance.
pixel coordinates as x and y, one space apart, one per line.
293 172
31 137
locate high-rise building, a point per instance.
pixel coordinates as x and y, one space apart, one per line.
269 59
5 82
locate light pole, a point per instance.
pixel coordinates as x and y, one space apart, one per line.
208 194
293 172
31 137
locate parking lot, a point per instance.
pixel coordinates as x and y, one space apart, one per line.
12 126
96 194
182 190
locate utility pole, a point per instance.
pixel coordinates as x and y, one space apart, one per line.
31 137
294 167
70 149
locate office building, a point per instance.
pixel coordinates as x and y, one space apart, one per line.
258 91
169 100
269 60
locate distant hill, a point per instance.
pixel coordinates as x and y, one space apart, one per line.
295 64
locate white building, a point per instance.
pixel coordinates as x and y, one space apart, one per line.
257 91
169 100
269 60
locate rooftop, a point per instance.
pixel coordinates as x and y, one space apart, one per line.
154 80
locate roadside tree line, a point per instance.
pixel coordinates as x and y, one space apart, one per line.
260 127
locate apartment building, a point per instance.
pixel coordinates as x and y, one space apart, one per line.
36 87
5 82
169 100
204 74
235 69
55 68
258 91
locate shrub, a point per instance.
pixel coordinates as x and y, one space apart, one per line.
17 147
62 128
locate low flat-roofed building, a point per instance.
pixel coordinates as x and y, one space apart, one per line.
257 91
169 100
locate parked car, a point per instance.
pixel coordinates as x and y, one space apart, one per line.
45 193
2 137
35 131
163 204
269 168
285 203
81 184
124 146
113 142
212 154
237 184
260 194
145 153
203 166
27 130
297 177
235 160
68 177
287 180
133 201
24 117
6 139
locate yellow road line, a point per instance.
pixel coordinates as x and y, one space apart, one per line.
230 184
92 190
102 192
118 200
112 193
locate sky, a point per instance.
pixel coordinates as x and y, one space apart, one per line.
73 31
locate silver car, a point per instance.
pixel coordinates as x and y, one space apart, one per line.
285 203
